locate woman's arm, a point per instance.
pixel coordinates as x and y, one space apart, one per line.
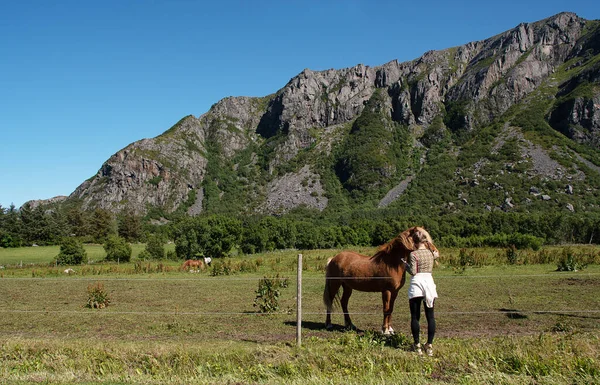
411 266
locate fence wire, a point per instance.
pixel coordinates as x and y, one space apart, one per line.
287 313
213 278
160 313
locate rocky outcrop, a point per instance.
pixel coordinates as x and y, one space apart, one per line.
302 188
45 202
577 111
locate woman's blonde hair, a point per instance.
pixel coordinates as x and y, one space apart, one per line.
419 236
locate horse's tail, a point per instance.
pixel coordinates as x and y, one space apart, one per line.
328 299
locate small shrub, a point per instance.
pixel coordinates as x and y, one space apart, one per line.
267 294
97 296
71 252
511 255
569 261
221 268
117 249
466 258
398 340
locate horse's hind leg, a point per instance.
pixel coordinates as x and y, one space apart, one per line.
331 289
344 302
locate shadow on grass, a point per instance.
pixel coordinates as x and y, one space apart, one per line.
517 314
569 315
513 313
320 326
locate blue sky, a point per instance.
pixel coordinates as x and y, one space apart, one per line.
80 80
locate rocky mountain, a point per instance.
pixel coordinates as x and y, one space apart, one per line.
522 105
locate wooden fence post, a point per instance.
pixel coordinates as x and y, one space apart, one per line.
299 304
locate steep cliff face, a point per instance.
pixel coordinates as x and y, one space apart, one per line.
151 172
164 171
313 130
577 109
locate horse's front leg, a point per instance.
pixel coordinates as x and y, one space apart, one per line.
344 302
388 298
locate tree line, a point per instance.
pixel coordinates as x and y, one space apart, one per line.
218 235
42 226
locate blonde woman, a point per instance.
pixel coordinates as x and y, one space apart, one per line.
422 289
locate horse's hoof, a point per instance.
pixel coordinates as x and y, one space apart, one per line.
388 332
329 327
351 327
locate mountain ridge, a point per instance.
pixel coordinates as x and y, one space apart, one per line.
342 139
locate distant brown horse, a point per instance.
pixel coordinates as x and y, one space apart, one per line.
383 272
193 264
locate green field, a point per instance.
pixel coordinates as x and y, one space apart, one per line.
46 254
498 323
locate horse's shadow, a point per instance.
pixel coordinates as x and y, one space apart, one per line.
320 326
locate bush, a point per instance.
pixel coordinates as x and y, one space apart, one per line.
465 258
155 247
97 296
71 252
117 249
6 240
569 261
267 294
512 255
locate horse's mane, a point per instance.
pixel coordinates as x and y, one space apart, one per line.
405 241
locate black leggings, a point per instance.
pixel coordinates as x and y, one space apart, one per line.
415 316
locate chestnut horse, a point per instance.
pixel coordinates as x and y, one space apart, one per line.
383 272
193 263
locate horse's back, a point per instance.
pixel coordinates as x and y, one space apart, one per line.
347 264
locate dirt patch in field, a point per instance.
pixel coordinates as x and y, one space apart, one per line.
581 281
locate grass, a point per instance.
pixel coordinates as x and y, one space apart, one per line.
498 323
347 359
